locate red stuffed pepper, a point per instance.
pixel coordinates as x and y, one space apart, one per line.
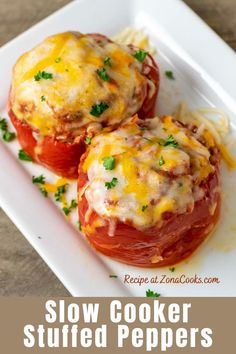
149 192
70 87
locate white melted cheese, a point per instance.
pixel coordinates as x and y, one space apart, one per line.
152 178
73 59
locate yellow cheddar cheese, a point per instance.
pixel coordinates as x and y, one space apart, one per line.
56 84
137 174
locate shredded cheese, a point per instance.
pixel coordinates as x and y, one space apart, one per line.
212 123
136 37
152 171
74 85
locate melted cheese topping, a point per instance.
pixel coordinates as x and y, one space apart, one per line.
61 105
153 177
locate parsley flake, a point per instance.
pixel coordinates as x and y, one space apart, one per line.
102 73
109 162
161 161
144 207
112 183
172 269
43 98
170 74
38 180
171 142
22 155
113 276
43 75
98 109
73 204
3 124
67 210
140 55
43 191
150 293
60 191
88 140
79 225
8 136
107 61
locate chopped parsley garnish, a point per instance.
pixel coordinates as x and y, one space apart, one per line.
171 142
109 162
3 124
43 98
161 161
88 140
113 276
143 128
58 60
38 180
8 136
144 207
180 184
66 211
79 225
102 73
107 61
43 75
43 191
73 205
170 74
41 181
150 293
98 109
22 155
140 55
60 190
111 184
172 269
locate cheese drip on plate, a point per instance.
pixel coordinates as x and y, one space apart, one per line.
71 80
143 170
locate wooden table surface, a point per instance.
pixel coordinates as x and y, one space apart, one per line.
22 271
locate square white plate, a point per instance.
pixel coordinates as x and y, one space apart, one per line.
204 67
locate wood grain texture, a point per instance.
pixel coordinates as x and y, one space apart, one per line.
22 271
220 15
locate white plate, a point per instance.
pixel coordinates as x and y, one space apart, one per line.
204 67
